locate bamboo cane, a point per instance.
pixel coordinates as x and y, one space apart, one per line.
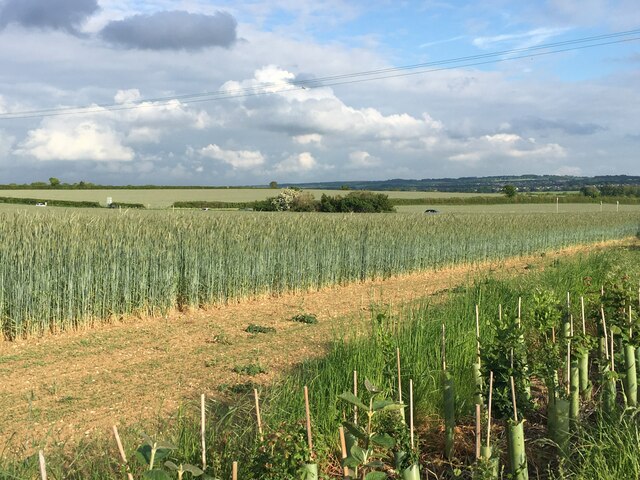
43 466
234 471
399 382
343 447
123 456
202 432
486 451
515 435
584 322
355 392
308 416
258 417
411 413
477 373
489 410
513 399
604 327
448 391
478 430
583 359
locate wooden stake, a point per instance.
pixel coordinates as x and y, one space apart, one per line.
355 392
234 471
43 467
411 412
584 321
202 432
519 312
399 376
500 311
513 398
444 357
123 456
613 366
489 409
571 322
478 334
258 418
604 327
343 448
478 430
308 414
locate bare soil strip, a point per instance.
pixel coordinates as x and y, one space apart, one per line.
70 386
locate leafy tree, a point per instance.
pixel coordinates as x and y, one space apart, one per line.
359 202
590 191
273 184
54 182
510 191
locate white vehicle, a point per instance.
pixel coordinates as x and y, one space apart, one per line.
41 204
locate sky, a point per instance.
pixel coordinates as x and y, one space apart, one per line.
197 92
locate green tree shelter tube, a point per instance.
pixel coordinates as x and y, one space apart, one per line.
491 464
586 388
637 358
449 397
516 451
609 392
631 380
561 422
574 394
411 473
310 471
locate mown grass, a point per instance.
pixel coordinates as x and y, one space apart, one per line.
231 431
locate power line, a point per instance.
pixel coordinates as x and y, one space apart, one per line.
343 79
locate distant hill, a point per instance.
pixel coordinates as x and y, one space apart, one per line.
524 183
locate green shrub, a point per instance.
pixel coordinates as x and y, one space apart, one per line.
253 328
305 318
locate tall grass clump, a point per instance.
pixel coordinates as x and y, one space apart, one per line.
61 270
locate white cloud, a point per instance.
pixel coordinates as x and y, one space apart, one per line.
523 39
319 111
360 159
143 135
308 139
238 159
127 96
75 141
6 142
163 115
108 135
504 145
302 162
